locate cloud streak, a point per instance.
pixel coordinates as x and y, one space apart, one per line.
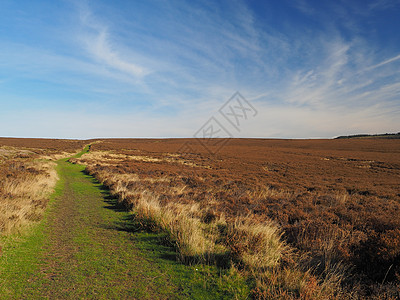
98 43
388 61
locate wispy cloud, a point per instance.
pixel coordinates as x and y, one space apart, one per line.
388 61
383 4
163 68
98 43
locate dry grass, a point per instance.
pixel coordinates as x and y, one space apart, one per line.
56 156
254 247
195 240
104 157
334 204
258 245
7 152
25 186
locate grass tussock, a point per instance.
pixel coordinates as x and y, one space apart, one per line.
25 186
194 239
258 245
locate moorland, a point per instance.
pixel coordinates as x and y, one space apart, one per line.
311 219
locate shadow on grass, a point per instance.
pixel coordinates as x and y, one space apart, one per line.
156 243
149 238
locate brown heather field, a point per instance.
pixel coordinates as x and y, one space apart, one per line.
27 178
303 218
309 219
52 146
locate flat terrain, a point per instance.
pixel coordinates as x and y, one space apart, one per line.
336 201
90 247
42 145
327 209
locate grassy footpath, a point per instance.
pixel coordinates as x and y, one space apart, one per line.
89 247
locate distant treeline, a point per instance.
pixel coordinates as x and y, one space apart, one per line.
380 136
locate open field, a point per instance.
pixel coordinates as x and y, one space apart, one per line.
44 145
88 247
309 219
326 209
85 245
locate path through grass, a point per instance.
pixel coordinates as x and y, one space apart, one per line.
89 247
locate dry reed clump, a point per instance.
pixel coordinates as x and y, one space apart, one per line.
279 272
258 245
24 190
194 239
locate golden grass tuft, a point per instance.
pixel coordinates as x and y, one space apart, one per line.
194 241
258 245
24 195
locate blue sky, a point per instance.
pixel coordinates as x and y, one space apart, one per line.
82 69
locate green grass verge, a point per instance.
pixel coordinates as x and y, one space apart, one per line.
21 253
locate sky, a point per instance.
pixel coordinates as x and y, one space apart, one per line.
135 68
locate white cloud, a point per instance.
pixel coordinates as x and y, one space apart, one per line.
98 43
388 61
102 50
